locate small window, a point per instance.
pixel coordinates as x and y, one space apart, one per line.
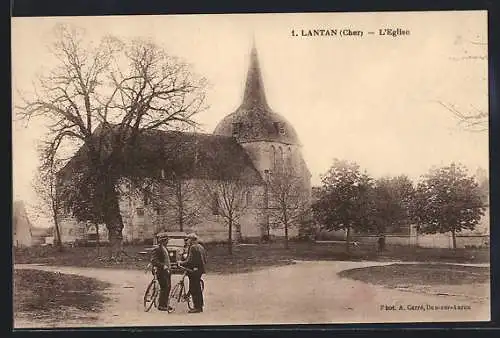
146 198
236 128
248 198
140 211
215 206
158 211
162 173
280 129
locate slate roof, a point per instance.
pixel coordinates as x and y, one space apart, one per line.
188 155
257 120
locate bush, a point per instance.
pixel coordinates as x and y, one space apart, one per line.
250 240
87 244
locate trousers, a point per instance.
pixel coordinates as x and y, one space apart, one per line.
195 289
165 281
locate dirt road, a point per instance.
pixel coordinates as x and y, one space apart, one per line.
304 293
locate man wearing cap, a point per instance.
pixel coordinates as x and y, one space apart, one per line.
161 261
195 261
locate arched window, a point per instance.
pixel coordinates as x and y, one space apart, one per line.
248 198
281 160
215 205
273 158
289 161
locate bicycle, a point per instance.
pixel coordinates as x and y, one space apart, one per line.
180 293
152 294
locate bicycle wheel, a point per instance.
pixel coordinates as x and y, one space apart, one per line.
150 295
157 294
174 296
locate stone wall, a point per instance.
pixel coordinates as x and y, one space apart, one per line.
444 241
142 221
261 154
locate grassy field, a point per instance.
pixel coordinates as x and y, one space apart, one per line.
467 282
420 274
49 296
250 257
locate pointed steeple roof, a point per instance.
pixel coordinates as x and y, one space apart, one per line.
254 120
254 94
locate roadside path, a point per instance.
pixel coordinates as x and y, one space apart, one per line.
303 293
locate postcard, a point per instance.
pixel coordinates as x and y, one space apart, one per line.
250 169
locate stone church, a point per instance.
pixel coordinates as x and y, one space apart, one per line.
230 168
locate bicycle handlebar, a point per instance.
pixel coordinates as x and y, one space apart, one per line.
150 267
184 268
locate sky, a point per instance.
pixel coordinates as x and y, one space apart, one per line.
371 99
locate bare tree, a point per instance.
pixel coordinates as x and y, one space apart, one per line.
176 196
228 198
45 185
104 98
288 200
472 118
183 197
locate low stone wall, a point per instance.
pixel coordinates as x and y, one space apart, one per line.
429 241
389 239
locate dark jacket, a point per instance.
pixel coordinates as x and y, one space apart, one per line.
197 258
159 258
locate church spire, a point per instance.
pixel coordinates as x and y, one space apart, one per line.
254 95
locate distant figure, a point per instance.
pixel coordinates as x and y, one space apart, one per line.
196 262
161 262
381 243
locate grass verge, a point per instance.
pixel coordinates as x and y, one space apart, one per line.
252 256
470 282
51 297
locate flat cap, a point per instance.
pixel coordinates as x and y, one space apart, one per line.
192 236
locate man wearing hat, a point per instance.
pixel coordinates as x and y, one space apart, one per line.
161 261
195 261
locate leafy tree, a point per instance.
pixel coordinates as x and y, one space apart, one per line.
344 199
390 205
448 200
102 99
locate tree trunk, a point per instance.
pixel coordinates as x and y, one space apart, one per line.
348 240
285 223
237 227
266 205
286 235
98 241
55 211
453 236
181 205
114 222
58 241
58 235
115 242
181 220
230 237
